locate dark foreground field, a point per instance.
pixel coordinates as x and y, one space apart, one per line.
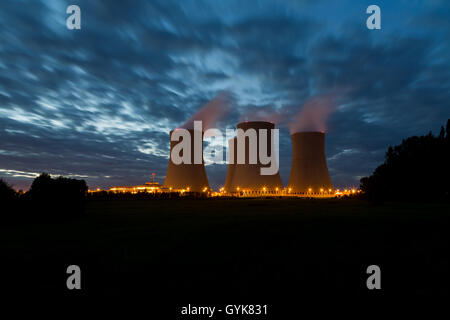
232 251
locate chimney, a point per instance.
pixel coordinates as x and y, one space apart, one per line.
309 171
232 143
248 176
183 176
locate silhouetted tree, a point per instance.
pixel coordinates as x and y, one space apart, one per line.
58 196
416 169
447 130
7 193
442 133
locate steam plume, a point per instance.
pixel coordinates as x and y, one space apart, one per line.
211 112
314 114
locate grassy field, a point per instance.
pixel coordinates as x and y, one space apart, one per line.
256 250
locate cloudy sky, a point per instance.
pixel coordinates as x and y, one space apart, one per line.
98 103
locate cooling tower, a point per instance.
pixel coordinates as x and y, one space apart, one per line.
183 176
232 143
309 169
248 176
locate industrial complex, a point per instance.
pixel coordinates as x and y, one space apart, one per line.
309 176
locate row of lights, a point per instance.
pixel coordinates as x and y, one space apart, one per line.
264 189
133 190
310 190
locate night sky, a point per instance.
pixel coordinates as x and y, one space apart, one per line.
98 103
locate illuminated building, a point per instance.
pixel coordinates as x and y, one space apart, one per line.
148 187
309 171
247 177
189 177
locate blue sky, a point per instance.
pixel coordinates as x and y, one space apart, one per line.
98 103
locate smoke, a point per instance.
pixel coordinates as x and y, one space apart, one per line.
211 112
312 117
314 113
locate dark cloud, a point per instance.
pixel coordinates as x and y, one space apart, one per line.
99 102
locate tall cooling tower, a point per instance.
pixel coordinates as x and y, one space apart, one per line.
232 143
183 176
309 167
248 176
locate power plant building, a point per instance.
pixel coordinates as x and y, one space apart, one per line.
247 176
232 159
190 177
309 171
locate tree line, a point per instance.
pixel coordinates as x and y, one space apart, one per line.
47 196
417 169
